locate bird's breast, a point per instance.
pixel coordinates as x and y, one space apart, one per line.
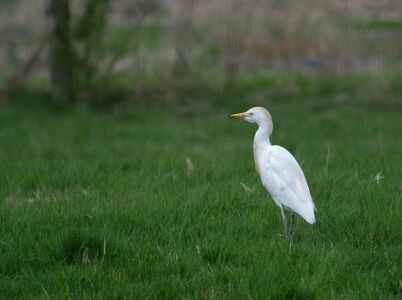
260 157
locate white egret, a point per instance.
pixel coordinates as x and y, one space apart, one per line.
280 173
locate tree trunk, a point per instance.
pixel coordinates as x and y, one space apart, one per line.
61 54
183 28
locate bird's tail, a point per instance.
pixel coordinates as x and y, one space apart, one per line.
310 219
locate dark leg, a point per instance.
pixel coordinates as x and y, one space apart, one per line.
292 223
285 223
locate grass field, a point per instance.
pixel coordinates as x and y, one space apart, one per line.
151 204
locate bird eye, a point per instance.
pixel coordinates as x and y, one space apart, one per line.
251 114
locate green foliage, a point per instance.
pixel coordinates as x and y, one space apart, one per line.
384 24
6 3
88 37
92 23
75 51
105 206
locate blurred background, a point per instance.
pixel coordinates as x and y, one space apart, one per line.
124 53
123 177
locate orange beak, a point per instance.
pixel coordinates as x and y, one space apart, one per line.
239 115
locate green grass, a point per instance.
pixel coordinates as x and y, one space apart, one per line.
381 24
103 206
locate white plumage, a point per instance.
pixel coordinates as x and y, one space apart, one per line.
280 173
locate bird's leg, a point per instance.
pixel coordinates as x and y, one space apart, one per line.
292 223
285 223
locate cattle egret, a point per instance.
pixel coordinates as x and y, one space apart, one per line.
280 173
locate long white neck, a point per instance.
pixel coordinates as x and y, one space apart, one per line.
261 137
261 144
261 141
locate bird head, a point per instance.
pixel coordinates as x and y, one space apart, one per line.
258 115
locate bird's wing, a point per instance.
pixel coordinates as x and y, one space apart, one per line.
288 184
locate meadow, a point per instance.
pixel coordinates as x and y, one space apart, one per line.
163 202
143 188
